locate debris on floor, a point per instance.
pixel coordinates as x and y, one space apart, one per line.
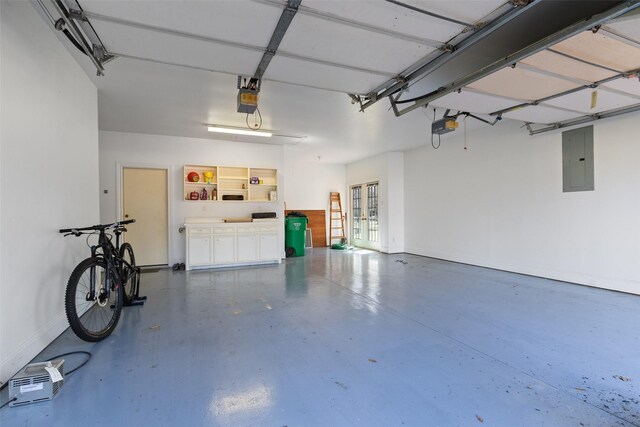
402 261
155 327
621 378
339 384
479 418
373 361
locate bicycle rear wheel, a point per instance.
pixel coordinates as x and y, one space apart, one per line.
129 274
92 317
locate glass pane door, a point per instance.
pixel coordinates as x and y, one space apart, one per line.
364 216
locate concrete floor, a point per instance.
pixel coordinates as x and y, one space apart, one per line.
355 339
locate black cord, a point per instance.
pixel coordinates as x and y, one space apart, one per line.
7 402
439 141
66 373
69 354
73 40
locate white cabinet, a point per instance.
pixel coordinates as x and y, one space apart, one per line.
199 246
224 244
247 244
269 244
199 250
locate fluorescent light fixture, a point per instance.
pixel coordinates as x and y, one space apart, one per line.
238 131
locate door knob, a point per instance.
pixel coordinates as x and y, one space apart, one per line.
126 215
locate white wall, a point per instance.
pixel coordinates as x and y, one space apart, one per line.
388 170
500 204
49 180
139 150
309 180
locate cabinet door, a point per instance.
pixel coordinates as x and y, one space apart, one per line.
269 248
224 249
199 250
247 247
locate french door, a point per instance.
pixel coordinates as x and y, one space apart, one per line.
364 216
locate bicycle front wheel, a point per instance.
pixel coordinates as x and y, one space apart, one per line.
93 303
129 273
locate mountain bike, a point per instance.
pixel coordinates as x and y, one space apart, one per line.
100 285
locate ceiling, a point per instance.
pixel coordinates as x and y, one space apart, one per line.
176 66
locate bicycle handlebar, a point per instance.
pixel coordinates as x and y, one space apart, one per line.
99 227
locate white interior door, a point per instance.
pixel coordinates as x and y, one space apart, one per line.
144 199
364 216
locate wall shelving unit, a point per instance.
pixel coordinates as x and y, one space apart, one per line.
230 183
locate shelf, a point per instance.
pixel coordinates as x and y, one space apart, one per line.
229 180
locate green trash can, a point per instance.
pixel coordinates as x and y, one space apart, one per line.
294 235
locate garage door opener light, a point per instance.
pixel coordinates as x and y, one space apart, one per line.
238 131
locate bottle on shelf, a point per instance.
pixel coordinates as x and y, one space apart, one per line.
214 194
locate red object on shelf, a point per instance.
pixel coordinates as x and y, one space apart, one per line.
194 195
193 177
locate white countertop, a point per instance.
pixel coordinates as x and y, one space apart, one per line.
190 222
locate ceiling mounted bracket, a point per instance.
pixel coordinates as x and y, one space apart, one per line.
356 99
78 15
75 32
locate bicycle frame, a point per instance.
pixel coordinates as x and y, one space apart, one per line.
113 262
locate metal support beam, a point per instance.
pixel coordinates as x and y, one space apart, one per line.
421 70
177 33
305 10
75 32
510 59
278 34
584 119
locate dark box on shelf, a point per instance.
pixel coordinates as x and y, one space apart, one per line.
262 215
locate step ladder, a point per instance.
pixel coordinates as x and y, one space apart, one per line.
336 223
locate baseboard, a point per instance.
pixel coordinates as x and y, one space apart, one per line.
29 348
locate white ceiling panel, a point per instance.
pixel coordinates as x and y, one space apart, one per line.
233 20
581 101
177 50
629 26
473 102
561 65
541 114
630 85
522 84
321 76
330 41
387 16
602 50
